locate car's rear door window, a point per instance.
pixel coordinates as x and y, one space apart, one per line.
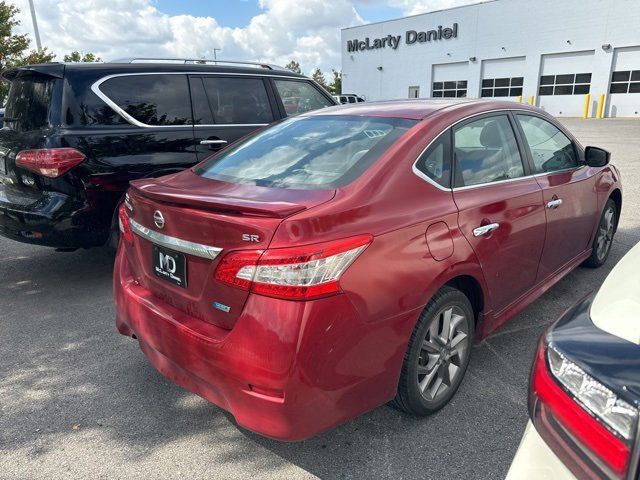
551 150
28 103
157 99
486 151
435 162
316 152
299 96
230 101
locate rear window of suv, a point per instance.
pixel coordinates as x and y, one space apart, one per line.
27 106
151 99
316 152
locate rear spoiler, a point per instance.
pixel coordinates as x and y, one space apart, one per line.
54 70
219 203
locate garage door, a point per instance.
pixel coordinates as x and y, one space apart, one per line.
450 80
502 77
624 89
565 79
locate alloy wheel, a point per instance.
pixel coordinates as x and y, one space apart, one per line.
443 352
605 233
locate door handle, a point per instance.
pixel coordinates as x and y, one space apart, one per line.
554 203
484 229
213 142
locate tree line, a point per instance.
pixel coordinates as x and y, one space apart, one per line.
334 88
15 51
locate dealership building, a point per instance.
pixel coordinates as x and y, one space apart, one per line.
551 53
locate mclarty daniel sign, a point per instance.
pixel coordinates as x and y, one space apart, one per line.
410 37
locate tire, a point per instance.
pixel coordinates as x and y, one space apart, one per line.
432 358
603 240
114 232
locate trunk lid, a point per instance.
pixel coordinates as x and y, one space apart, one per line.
213 213
28 121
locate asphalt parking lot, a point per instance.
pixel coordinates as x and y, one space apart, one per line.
77 400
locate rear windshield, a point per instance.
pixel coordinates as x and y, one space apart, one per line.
27 106
317 152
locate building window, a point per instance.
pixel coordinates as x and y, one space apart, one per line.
414 92
456 88
502 87
565 84
625 82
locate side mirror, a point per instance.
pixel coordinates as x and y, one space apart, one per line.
596 157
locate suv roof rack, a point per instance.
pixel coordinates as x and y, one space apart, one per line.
204 61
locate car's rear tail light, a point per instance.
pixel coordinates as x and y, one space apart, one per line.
49 162
602 423
612 411
298 273
124 225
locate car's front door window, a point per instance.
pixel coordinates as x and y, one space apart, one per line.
486 151
300 96
551 150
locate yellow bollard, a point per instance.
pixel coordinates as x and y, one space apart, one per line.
532 100
520 99
600 106
587 102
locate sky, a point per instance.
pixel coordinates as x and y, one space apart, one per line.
274 31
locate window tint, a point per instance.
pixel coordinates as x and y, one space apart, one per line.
457 88
550 148
620 82
499 87
229 100
307 152
299 96
151 99
435 163
486 151
566 84
28 102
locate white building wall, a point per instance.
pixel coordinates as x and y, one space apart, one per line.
493 30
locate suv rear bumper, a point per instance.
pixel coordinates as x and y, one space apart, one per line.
46 218
287 370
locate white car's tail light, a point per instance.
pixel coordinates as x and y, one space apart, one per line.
587 425
612 411
301 273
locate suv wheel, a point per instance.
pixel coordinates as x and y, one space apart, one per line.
438 354
604 236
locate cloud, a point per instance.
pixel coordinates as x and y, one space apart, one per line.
307 31
414 7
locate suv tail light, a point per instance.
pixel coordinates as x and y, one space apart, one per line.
297 273
123 223
590 425
49 162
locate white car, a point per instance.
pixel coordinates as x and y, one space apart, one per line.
584 395
348 98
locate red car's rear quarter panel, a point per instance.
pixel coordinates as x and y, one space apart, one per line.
328 363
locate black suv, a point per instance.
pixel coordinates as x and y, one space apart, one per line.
75 134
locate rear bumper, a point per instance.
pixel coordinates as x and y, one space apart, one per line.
287 370
47 218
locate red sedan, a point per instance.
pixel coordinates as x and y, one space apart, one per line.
349 257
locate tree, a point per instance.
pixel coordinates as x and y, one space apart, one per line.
335 87
293 66
77 57
318 76
14 48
